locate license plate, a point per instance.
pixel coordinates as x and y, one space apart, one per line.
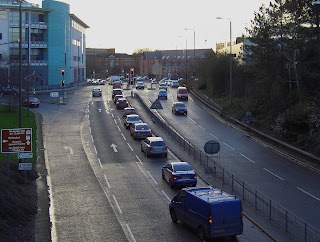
219 230
185 177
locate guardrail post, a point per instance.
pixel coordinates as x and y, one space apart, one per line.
255 200
286 221
270 209
232 182
222 175
243 191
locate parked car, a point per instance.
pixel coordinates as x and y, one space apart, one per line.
96 92
154 146
163 85
128 110
116 91
162 94
31 102
122 103
179 108
131 119
179 174
140 130
140 85
211 212
116 97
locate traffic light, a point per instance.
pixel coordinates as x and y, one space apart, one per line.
62 83
62 72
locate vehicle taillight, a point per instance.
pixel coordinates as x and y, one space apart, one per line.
174 178
210 220
194 177
150 148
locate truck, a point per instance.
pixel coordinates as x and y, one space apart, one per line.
211 212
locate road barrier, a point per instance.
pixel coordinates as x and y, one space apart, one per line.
292 224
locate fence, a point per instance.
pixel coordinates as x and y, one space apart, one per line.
288 221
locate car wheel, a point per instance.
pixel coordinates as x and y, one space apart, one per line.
37 105
163 175
200 233
165 155
185 113
171 183
173 215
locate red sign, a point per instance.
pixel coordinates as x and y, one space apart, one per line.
16 140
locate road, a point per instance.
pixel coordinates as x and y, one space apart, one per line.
102 187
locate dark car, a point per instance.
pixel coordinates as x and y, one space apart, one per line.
116 97
140 130
122 103
116 91
11 91
33 102
131 119
128 110
179 108
154 146
179 174
140 85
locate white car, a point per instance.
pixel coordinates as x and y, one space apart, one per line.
96 92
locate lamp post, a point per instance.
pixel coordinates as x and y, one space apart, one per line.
316 5
194 51
230 84
20 64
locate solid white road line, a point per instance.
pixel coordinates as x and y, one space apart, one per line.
273 174
90 129
108 184
247 158
309 194
92 138
129 230
130 147
95 149
152 178
123 136
139 160
115 121
117 204
166 196
229 146
118 128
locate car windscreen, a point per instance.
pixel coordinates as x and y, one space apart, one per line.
158 143
133 119
180 105
183 91
182 167
142 127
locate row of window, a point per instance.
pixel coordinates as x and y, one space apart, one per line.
34 17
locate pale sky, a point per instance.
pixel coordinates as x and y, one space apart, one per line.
127 25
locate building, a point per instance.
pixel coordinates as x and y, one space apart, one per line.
52 40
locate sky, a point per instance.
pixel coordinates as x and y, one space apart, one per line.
128 25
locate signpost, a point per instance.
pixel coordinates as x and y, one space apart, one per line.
16 140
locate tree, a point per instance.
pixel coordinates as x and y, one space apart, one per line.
140 51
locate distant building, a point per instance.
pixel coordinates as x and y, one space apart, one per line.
52 40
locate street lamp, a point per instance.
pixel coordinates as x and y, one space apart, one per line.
230 84
20 63
194 51
186 69
316 5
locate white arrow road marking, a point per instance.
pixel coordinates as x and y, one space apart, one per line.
99 109
114 147
69 148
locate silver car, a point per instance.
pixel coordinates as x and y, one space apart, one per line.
96 92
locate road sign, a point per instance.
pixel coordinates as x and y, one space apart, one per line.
54 94
25 155
25 166
16 140
156 105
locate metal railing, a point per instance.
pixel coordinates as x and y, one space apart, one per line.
261 203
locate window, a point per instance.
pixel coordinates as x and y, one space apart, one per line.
0 57
3 14
0 35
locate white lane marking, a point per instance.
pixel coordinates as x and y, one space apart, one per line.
117 204
139 160
90 129
229 146
95 149
214 136
100 162
247 158
112 114
176 158
123 136
108 184
118 128
130 147
192 120
69 148
166 196
273 174
202 127
129 230
309 194
152 178
115 121
92 138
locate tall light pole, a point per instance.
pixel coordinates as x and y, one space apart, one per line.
316 5
230 84
20 63
194 51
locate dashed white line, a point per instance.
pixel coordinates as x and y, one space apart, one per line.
166 196
152 178
118 128
139 160
123 136
100 162
229 146
202 127
90 129
108 184
95 149
129 230
192 120
117 204
115 121
92 138
308 194
247 158
130 147
273 174
112 114
214 136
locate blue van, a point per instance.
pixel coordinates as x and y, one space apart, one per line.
211 212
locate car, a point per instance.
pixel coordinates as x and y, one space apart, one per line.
162 94
154 81
116 91
154 146
122 103
179 108
169 82
162 85
131 119
175 84
140 85
11 91
179 173
117 84
140 130
96 92
115 98
128 110
31 102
